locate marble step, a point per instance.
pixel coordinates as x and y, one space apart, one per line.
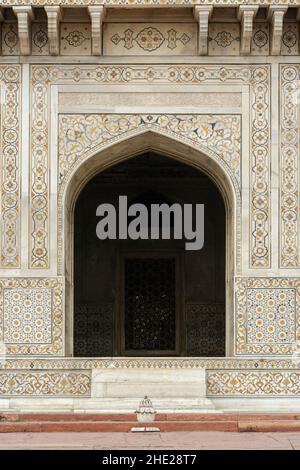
131 417
72 422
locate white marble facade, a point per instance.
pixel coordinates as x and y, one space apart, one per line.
81 87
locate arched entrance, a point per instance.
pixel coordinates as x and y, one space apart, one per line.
149 297
94 168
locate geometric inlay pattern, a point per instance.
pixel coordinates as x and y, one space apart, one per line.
267 315
150 304
45 383
10 167
255 76
93 330
31 316
205 329
289 166
228 363
264 383
27 315
271 315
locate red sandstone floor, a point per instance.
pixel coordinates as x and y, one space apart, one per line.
168 440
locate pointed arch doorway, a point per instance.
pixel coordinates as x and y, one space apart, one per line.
149 298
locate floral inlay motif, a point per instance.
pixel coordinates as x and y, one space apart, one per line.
10 38
150 38
75 38
45 383
263 383
224 39
260 38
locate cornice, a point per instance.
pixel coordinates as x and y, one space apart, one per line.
147 3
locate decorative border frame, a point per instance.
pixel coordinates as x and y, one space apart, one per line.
253 383
73 363
256 76
241 287
56 347
289 207
10 127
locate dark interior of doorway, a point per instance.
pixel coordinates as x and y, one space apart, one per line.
149 298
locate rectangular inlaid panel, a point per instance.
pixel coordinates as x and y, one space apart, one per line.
267 315
271 315
149 39
27 315
252 383
32 315
46 383
75 39
224 39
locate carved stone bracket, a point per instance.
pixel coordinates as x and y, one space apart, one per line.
54 16
246 16
202 15
97 14
24 16
276 15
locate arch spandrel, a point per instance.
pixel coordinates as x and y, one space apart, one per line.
83 135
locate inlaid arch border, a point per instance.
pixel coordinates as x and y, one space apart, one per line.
257 77
144 131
